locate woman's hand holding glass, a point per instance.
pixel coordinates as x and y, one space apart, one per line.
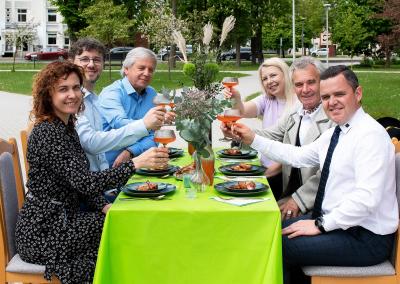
152 158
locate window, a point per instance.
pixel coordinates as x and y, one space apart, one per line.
52 15
66 41
8 15
51 38
21 15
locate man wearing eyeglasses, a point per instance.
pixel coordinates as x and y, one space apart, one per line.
89 54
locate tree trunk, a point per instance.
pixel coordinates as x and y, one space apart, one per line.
237 53
257 55
388 55
172 59
14 55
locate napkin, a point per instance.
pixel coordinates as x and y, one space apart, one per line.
240 201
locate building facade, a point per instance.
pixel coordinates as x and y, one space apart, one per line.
50 30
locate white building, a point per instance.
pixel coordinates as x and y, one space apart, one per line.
50 29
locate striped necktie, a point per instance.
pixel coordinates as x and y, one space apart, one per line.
325 174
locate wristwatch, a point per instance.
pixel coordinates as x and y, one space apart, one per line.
319 223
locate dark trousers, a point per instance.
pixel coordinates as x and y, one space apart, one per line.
355 246
275 183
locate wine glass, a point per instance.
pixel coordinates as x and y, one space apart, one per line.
164 136
229 117
161 100
230 82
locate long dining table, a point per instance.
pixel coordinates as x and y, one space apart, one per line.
180 240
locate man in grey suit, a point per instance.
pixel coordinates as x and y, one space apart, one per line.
301 126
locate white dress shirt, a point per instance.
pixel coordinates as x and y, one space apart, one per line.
361 189
307 121
95 142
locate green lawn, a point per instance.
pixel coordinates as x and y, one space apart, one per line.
381 94
20 82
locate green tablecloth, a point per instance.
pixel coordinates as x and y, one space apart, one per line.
182 241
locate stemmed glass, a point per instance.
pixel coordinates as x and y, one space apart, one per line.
230 82
229 117
164 136
161 100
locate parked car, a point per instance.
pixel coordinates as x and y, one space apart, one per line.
164 53
320 52
49 53
119 53
245 54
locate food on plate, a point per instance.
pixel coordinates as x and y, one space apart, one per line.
242 167
188 169
147 186
243 185
232 151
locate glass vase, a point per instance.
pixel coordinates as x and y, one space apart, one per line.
208 164
199 178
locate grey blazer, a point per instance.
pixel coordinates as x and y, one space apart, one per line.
286 131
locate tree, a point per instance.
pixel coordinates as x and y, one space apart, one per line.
390 39
72 11
349 27
108 23
19 35
158 29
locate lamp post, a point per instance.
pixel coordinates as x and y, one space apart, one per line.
293 32
327 7
302 36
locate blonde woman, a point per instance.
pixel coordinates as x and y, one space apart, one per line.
277 98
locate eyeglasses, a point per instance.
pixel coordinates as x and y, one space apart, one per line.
86 60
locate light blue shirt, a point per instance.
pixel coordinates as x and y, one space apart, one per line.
95 142
120 104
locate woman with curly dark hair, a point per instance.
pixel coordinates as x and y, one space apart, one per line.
51 230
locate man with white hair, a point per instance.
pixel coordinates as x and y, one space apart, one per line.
130 99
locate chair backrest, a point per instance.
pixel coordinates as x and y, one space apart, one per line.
8 204
396 253
12 148
24 134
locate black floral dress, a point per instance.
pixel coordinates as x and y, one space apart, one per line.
51 229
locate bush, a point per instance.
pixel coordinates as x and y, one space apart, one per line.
366 62
189 69
212 70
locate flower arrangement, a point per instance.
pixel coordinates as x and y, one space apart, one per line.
198 107
195 111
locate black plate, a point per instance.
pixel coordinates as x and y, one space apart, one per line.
244 153
251 170
252 154
175 152
168 189
133 187
147 172
224 189
256 171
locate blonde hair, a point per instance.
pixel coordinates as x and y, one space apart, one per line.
290 96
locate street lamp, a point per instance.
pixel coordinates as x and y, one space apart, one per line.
327 7
293 33
302 36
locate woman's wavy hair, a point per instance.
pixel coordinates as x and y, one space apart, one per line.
44 86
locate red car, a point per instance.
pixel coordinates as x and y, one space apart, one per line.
49 53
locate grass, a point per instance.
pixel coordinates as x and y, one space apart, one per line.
381 94
20 82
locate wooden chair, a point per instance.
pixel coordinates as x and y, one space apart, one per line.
24 134
12 148
12 267
387 272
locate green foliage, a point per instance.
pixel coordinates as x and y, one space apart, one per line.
72 10
195 114
349 28
189 69
107 22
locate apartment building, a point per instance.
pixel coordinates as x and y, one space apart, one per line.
50 29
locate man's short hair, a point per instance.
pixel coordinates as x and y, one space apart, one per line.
136 54
348 74
87 44
303 62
